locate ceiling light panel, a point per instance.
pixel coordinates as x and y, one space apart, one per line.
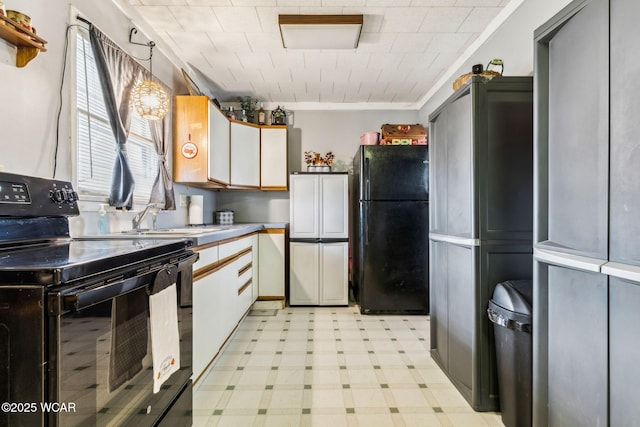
320 31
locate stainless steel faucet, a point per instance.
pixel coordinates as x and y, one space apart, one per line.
137 220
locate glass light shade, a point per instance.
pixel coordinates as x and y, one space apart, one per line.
150 100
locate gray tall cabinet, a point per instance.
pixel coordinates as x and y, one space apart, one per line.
587 216
481 219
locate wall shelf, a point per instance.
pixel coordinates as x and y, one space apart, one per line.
28 43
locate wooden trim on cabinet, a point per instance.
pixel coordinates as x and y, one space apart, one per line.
274 188
242 187
222 242
191 123
272 298
244 123
273 231
244 287
244 269
237 255
213 267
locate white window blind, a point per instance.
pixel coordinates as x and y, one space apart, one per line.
96 143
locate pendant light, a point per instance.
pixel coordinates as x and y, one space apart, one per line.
149 98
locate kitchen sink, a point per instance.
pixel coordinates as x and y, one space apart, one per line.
172 231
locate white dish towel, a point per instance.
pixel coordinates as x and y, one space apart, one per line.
165 337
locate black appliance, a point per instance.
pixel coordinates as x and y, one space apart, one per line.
390 229
75 346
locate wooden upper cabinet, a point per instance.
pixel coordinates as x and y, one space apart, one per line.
211 151
273 158
200 142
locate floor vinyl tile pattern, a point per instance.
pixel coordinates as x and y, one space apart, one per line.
331 366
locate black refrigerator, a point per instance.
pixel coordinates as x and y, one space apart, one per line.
390 229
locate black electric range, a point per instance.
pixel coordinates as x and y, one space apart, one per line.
75 341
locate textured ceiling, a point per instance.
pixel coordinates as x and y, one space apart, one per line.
233 47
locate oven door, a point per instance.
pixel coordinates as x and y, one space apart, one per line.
102 358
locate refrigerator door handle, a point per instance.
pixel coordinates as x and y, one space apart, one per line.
365 219
367 179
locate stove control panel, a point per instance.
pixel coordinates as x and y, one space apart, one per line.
14 192
26 196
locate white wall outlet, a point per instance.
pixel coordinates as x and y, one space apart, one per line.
184 200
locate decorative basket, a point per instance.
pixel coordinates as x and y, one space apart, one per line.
460 81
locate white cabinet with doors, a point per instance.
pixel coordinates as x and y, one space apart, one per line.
319 206
318 271
223 281
245 155
271 254
212 151
273 158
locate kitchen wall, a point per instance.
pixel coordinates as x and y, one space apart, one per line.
31 98
319 131
28 115
512 42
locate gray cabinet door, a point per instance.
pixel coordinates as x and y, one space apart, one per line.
461 288
624 352
624 245
439 303
577 348
438 173
452 289
505 161
451 151
578 133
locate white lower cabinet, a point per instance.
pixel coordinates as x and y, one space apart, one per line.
304 273
222 295
334 285
244 273
255 244
271 276
318 273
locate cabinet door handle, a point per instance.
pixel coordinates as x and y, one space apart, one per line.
568 260
622 271
244 287
244 269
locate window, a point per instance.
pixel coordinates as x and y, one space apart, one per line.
95 140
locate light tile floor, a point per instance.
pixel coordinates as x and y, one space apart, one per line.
331 366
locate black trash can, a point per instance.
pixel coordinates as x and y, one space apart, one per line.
510 310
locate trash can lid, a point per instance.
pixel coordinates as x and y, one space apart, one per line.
515 296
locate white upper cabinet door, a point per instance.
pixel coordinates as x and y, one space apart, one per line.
334 221
273 158
245 155
304 206
219 149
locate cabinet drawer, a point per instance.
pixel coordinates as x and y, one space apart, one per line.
229 249
207 256
245 269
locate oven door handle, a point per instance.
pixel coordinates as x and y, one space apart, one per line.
84 298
